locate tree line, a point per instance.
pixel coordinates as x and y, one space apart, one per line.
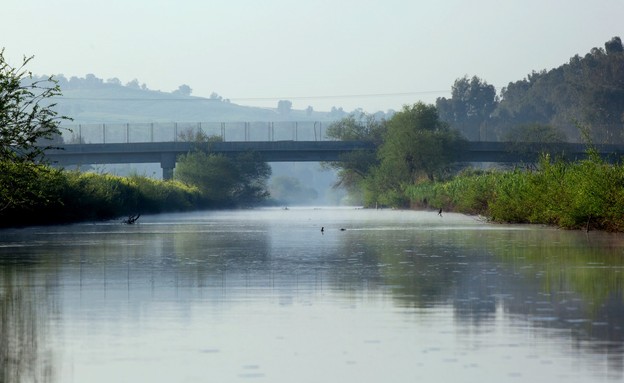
414 167
587 90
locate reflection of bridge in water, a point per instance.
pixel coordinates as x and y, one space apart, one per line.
273 142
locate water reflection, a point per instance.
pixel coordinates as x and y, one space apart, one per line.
398 282
25 308
545 278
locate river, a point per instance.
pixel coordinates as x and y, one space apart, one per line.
264 296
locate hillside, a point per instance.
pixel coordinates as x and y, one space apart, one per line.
91 100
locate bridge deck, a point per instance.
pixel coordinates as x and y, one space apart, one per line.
166 153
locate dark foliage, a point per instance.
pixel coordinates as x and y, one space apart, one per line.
587 90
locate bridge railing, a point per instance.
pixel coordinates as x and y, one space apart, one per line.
178 131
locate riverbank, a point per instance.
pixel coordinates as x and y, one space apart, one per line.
586 195
40 195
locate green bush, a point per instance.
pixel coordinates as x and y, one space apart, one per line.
36 194
585 194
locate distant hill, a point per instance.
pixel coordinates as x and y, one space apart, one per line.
92 100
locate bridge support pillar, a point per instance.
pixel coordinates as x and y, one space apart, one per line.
167 163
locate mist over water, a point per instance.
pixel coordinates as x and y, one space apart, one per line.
264 295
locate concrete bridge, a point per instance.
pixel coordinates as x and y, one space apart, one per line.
166 153
282 141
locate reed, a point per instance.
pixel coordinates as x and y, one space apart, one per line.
37 194
586 195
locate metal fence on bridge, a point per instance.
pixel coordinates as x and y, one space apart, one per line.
179 131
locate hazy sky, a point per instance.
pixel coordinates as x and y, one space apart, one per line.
378 54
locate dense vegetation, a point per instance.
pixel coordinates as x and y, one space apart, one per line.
38 194
412 168
224 181
586 194
414 163
413 145
32 192
51 196
588 90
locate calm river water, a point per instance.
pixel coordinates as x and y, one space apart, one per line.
264 296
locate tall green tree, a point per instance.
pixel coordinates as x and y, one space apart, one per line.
417 145
29 125
587 90
470 107
354 166
224 181
531 138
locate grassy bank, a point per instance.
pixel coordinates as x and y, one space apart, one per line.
582 195
36 195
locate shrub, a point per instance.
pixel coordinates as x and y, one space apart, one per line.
585 194
37 194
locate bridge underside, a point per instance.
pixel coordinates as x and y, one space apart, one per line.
166 153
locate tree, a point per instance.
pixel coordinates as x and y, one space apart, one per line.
588 90
134 84
91 81
114 81
525 139
224 181
614 46
357 127
183 90
536 133
28 126
337 113
253 174
354 166
198 136
28 121
284 106
416 145
470 106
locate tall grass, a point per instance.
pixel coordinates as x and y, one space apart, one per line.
586 194
32 194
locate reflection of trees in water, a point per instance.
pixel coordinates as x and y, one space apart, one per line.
193 257
546 279
25 354
571 286
210 258
411 267
551 279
